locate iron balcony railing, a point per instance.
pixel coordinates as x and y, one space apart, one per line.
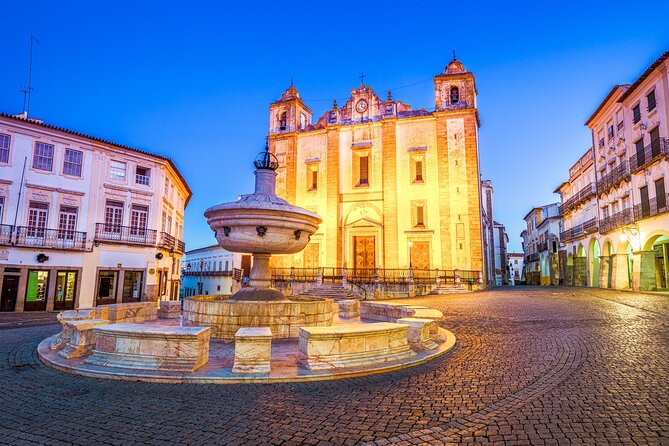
657 149
652 207
221 273
617 220
543 246
171 243
619 173
586 228
31 236
533 257
133 235
585 193
6 234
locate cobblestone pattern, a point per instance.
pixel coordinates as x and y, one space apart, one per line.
532 366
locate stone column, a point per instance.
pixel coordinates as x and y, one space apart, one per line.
260 276
620 271
580 271
604 271
644 271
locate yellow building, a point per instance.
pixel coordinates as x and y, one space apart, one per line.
395 186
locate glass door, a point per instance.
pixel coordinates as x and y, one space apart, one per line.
66 283
36 291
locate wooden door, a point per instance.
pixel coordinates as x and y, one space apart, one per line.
420 255
10 288
364 252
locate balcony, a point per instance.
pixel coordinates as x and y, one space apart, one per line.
171 243
543 246
657 149
33 237
532 257
617 220
651 207
6 235
577 231
619 174
130 235
578 198
206 273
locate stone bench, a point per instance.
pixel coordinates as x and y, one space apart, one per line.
353 345
253 347
422 333
128 312
80 337
387 312
349 308
144 347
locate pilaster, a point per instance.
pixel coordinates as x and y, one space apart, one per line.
390 224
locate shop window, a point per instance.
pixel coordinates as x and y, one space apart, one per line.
132 286
36 290
107 282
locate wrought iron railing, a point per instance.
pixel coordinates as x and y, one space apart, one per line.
171 243
652 207
50 238
134 235
6 234
532 257
542 246
657 149
206 273
367 276
588 227
615 221
619 173
578 198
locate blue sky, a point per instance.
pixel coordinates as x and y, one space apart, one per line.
193 81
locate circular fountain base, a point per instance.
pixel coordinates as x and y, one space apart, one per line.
257 294
225 316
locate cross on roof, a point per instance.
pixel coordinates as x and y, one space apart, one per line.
362 78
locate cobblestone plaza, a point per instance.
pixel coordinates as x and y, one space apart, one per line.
531 366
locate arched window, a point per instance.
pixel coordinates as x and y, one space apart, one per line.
302 121
455 95
282 121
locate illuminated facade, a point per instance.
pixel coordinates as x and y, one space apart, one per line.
382 175
623 240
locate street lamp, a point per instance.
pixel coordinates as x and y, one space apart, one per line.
410 245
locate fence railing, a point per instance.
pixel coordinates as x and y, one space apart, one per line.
616 176
657 148
588 227
171 243
652 207
578 198
364 276
615 221
185 272
124 234
50 238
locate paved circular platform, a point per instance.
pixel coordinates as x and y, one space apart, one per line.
285 363
531 366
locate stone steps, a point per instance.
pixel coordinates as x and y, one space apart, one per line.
330 291
449 289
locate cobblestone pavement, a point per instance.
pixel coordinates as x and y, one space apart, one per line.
532 366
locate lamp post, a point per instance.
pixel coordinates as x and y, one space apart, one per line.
188 268
410 244
201 282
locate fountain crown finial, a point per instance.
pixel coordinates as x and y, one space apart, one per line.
266 159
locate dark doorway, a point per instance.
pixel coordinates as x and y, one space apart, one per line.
10 289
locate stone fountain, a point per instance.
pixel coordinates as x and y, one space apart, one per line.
262 224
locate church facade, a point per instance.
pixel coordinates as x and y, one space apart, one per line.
396 187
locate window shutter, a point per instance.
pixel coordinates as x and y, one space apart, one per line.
364 170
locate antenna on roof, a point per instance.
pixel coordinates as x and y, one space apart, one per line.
29 89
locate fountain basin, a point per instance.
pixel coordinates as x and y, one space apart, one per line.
225 316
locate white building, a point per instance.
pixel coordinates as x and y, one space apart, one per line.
83 221
540 245
501 240
515 267
211 270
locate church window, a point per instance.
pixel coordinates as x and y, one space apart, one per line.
363 171
282 121
455 95
418 214
302 121
418 177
